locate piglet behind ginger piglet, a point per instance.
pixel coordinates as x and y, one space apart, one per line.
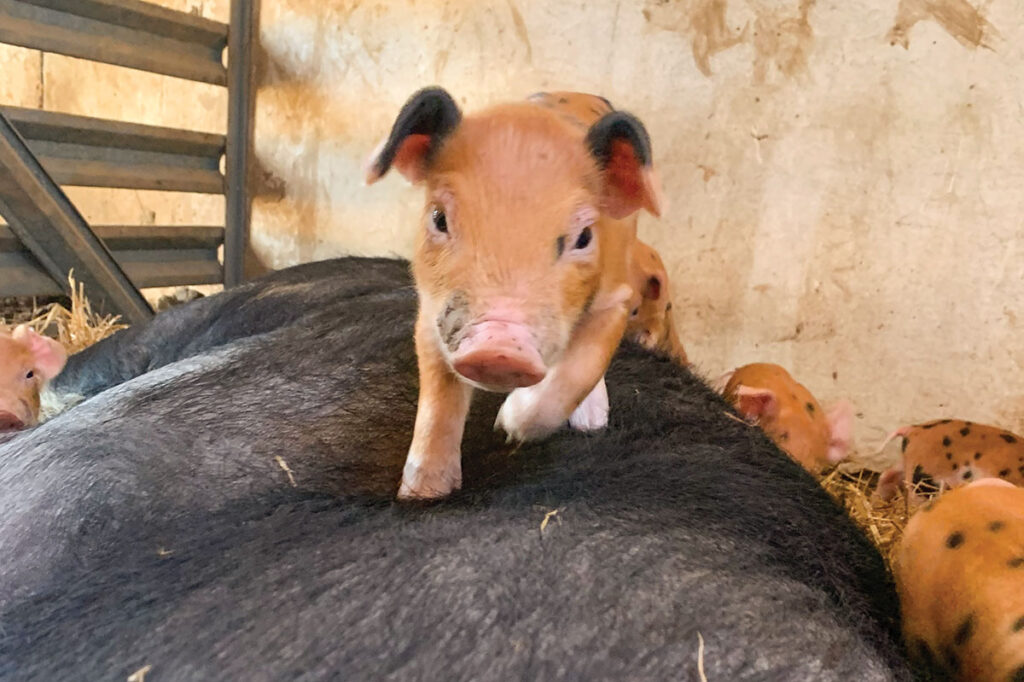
650 321
789 414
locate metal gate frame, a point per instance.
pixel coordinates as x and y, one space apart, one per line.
46 236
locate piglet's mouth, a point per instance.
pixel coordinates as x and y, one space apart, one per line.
8 422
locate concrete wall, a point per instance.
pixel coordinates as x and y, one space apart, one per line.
843 174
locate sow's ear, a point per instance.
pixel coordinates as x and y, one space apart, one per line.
426 119
622 148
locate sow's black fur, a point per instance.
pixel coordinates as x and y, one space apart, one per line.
154 525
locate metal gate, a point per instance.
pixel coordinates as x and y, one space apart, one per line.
40 151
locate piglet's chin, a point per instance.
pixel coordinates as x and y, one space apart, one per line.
499 356
9 422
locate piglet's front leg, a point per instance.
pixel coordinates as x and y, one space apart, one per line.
539 410
433 467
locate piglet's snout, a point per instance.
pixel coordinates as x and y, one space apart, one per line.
9 422
500 355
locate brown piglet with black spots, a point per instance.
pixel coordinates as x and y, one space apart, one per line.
949 453
960 577
767 395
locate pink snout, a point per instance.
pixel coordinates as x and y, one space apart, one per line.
993 482
499 355
9 422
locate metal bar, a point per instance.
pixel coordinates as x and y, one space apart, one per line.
45 221
33 25
137 238
84 151
22 275
128 175
159 268
49 126
241 42
146 17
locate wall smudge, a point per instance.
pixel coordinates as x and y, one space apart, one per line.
958 17
781 37
782 41
703 21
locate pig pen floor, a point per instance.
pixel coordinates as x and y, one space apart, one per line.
76 326
15 310
882 521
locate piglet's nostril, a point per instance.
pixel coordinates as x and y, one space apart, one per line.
8 422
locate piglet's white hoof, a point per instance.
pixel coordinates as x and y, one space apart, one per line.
524 415
421 482
592 414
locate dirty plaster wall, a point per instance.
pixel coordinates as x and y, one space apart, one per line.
844 176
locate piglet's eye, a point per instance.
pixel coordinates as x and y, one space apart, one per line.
30 374
584 239
440 220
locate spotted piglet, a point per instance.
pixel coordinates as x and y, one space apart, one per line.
950 453
960 575
768 396
580 109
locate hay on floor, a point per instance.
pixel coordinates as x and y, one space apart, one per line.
80 326
883 522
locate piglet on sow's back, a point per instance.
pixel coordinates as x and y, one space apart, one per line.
520 266
28 361
960 575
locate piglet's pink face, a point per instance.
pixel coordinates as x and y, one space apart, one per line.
27 361
516 225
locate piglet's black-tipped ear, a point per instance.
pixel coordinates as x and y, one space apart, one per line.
427 118
620 144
